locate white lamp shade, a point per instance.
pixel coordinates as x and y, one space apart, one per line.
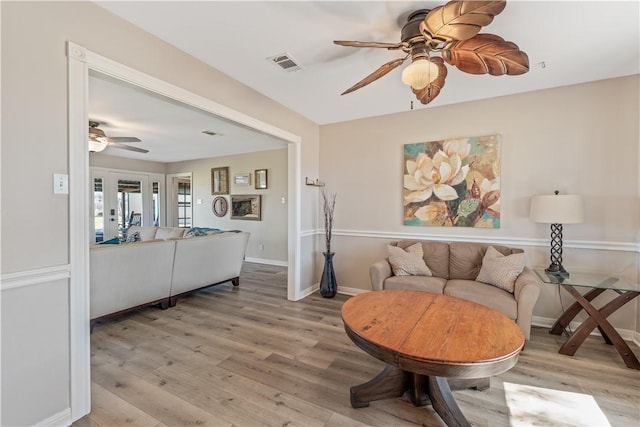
420 73
557 209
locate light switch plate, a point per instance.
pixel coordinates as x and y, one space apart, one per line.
60 183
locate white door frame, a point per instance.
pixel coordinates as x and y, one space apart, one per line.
80 61
171 198
111 200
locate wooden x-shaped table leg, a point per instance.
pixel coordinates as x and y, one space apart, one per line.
597 318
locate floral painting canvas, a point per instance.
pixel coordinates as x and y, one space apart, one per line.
453 183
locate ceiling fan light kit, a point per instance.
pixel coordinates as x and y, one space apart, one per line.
420 73
451 31
96 145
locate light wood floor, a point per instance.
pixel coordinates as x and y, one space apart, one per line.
248 357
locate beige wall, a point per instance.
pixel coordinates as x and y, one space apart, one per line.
35 230
271 231
579 139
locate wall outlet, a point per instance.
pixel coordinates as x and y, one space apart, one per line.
261 247
199 201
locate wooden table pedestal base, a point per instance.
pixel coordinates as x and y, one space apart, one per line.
423 390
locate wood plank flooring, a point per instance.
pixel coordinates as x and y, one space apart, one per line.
246 356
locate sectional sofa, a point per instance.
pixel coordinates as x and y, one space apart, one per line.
161 265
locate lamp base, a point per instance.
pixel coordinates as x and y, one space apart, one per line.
557 270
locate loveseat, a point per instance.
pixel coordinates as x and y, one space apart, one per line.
456 269
163 263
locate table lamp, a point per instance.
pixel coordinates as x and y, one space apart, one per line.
556 210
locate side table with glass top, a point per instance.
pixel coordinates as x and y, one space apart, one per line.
597 284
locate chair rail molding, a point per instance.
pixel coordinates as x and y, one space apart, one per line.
507 241
34 277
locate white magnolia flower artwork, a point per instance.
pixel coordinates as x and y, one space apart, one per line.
453 183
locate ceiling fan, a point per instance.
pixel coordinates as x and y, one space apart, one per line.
452 32
98 141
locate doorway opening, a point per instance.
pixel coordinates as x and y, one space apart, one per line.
81 61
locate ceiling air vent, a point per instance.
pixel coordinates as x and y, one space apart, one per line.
285 62
210 132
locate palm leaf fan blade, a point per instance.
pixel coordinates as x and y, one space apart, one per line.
354 43
427 94
383 70
487 54
459 20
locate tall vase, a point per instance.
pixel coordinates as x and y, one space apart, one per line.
328 285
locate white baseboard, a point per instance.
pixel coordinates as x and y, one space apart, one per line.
61 419
341 290
351 291
308 291
626 334
267 261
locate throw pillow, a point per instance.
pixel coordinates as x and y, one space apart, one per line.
133 237
169 232
200 231
409 262
114 241
500 270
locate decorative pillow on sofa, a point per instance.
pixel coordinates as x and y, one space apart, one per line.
409 262
500 270
201 231
169 233
144 233
133 237
114 241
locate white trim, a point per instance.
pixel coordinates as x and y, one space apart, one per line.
351 291
310 233
267 261
34 277
80 61
546 322
308 291
79 208
507 241
294 220
60 419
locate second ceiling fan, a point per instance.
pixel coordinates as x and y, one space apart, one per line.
98 141
452 32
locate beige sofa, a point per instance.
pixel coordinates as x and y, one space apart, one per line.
161 266
454 268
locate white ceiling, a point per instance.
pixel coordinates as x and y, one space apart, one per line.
578 41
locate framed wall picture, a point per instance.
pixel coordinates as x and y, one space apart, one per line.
260 179
242 179
220 180
466 192
246 206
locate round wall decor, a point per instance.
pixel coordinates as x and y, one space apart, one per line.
219 206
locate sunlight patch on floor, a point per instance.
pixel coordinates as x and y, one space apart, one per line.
535 406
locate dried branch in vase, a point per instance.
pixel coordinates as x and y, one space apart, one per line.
329 205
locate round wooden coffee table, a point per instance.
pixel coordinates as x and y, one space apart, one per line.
426 338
